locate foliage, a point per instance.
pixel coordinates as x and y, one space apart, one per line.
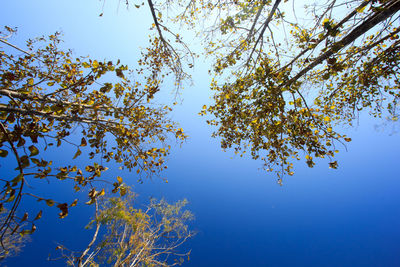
137 237
287 77
50 99
166 53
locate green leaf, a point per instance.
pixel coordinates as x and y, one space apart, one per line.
24 162
34 151
17 179
35 161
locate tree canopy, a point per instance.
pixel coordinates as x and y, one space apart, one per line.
135 237
48 99
288 75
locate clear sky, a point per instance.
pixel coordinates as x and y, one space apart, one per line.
320 217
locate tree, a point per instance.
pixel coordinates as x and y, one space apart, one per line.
50 99
13 244
287 77
136 237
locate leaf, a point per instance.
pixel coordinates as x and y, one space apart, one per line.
119 179
35 161
49 202
101 193
83 142
24 232
21 142
361 10
11 198
119 73
64 210
90 202
38 216
73 204
3 153
25 217
34 151
17 179
333 165
95 64
24 161
77 154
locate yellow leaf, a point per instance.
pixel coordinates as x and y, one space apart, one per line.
360 10
73 204
102 193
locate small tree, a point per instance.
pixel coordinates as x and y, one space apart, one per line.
136 237
46 95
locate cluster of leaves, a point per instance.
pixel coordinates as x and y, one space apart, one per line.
46 95
136 237
282 85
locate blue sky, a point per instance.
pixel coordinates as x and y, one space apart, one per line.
320 217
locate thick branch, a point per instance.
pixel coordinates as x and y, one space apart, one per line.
337 26
352 36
